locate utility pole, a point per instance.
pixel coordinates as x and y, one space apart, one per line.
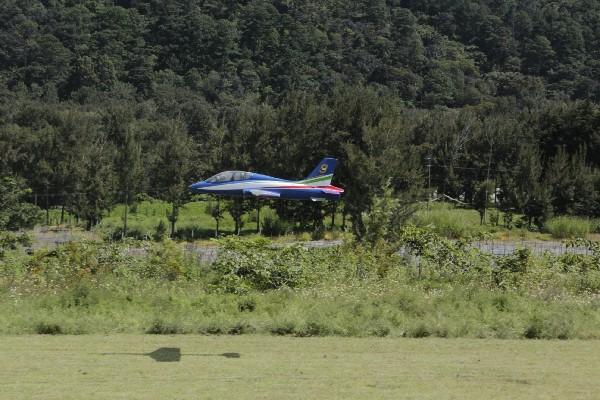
487 176
126 210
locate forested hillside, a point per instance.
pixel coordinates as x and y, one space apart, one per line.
103 101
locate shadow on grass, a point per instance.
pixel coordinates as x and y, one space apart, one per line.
171 354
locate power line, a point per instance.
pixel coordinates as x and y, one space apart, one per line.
469 168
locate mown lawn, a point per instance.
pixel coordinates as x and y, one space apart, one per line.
114 367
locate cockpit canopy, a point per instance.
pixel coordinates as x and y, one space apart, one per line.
228 176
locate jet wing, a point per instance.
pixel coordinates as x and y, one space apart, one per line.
262 193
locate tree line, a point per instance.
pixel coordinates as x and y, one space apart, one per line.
104 102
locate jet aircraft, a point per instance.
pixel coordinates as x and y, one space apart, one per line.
316 187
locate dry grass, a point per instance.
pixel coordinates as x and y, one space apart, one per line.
73 367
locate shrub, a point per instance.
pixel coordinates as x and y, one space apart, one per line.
313 328
246 304
10 241
160 232
442 258
549 326
254 264
166 261
44 328
282 327
160 327
509 269
420 330
507 218
272 225
380 330
568 227
240 327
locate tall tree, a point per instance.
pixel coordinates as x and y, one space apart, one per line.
175 154
127 138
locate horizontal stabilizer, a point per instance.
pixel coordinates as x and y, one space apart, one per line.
332 191
262 193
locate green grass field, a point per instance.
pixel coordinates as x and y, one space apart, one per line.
193 223
192 216
107 367
446 219
454 222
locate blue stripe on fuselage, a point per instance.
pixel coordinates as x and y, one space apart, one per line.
286 194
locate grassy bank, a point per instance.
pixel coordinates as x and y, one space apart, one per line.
351 290
394 311
114 366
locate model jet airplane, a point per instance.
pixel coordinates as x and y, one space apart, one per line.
316 187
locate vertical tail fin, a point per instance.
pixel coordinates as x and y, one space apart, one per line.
322 174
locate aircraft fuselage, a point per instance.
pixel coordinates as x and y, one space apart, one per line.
268 187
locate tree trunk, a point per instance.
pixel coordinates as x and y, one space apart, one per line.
62 213
218 217
334 208
126 210
173 218
258 216
358 225
47 208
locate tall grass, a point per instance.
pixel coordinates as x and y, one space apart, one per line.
101 288
449 221
399 311
565 227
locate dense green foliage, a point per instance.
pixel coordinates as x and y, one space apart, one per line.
104 101
452 53
439 288
15 211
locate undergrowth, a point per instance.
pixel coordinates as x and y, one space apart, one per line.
438 287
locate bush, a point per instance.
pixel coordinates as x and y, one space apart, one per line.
160 327
272 225
511 268
441 258
283 327
166 261
247 304
568 227
44 328
313 328
240 327
549 326
420 330
253 264
10 241
160 232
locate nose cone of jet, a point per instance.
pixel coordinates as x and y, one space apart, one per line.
197 187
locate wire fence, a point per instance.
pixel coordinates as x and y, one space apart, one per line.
503 248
